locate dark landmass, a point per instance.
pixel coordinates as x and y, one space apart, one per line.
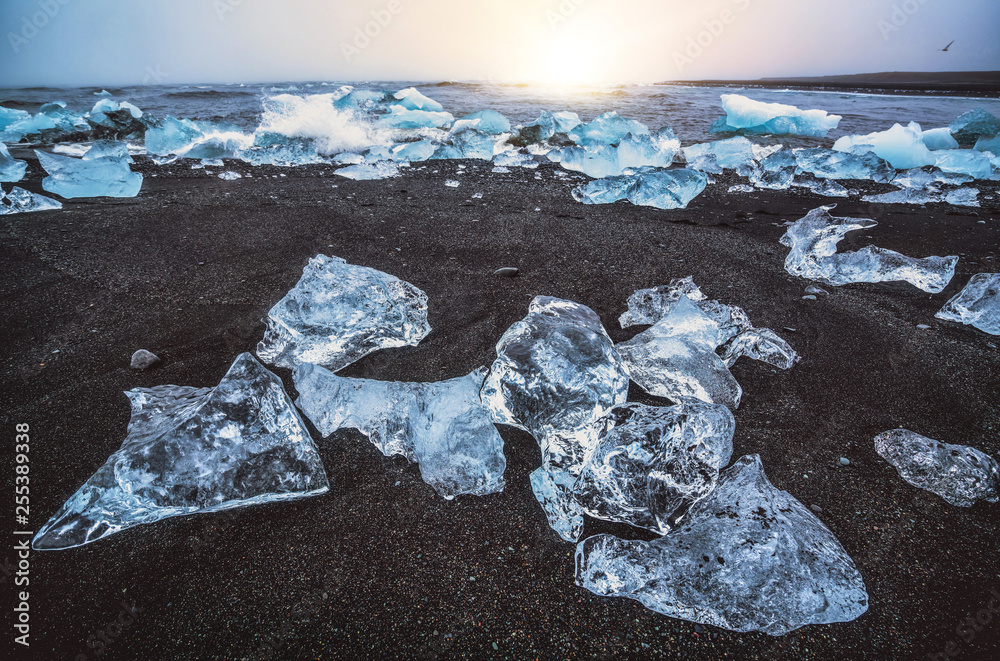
380 567
975 83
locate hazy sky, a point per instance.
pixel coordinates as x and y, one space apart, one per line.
130 42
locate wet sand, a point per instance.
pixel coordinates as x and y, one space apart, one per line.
381 567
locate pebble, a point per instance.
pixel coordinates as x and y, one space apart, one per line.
923 326
143 359
808 297
506 272
813 289
816 508
844 461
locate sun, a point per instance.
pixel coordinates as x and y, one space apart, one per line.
570 59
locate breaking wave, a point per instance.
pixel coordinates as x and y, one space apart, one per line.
315 118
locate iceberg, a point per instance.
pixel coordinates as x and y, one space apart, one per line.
747 557
11 169
94 175
411 99
988 143
663 189
976 164
369 171
958 473
120 119
937 139
903 147
473 144
486 121
19 200
413 151
442 426
745 115
338 313
969 127
813 241
775 172
652 463
727 154
978 304
607 129
556 374
400 117
829 164
195 450
545 127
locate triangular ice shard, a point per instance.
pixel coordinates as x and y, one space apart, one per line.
195 450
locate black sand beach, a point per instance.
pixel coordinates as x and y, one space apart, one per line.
381 567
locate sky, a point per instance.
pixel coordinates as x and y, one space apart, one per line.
132 42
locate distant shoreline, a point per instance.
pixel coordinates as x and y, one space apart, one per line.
976 83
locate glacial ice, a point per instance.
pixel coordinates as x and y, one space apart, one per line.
411 99
338 313
738 336
10 116
120 119
825 187
829 164
442 426
903 147
978 304
676 357
745 115
962 197
91 176
937 139
904 196
597 161
276 149
974 163
663 189
973 125
52 122
11 169
413 151
400 117
369 171
545 127
747 557
988 143
958 473
652 463
473 144
727 154
513 158
485 121
556 374
19 200
657 149
813 241
195 450
172 136
607 129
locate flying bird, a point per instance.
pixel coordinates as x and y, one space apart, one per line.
945 49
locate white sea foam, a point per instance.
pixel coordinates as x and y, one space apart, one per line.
314 117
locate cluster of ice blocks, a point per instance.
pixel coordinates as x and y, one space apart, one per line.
103 171
663 189
692 343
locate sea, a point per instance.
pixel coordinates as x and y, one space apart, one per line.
688 109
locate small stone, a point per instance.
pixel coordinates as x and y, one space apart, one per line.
506 272
808 297
923 326
844 461
819 291
143 359
791 330
816 508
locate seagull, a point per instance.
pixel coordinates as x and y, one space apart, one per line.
945 49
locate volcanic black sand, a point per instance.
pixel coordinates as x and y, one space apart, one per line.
948 83
381 567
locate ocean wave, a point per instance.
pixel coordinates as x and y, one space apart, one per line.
205 94
314 117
